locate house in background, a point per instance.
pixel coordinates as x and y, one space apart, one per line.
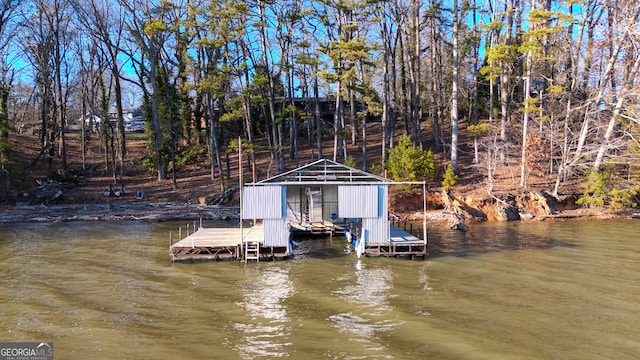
133 120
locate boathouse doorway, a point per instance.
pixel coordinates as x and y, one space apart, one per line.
312 204
312 208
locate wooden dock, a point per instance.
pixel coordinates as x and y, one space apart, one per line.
247 244
225 244
402 243
314 228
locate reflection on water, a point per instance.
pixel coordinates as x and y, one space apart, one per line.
500 291
366 291
267 326
482 238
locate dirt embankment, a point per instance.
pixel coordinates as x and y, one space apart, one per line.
87 191
527 205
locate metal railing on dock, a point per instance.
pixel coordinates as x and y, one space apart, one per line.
408 227
418 231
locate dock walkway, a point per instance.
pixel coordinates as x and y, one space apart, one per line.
220 244
401 243
230 243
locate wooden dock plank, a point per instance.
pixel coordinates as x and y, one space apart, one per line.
221 237
223 243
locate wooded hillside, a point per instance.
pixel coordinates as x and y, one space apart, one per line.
544 91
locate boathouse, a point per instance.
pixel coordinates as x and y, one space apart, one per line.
323 196
318 198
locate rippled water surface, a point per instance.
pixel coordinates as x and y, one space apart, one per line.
563 290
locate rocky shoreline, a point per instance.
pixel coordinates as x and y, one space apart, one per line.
161 212
525 206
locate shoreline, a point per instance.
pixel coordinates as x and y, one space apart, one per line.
146 212
163 212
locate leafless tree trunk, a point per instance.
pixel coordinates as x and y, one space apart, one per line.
454 90
525 114
151 43
433 82
630 78
505 78
275 129
414 71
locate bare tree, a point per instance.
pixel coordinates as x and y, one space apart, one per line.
267 73
105 24
149 33
7 10
454 89
626 24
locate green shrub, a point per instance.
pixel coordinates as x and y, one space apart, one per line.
149 164
623 198
600 190
596 187
450 178
351 162
190 155
409 163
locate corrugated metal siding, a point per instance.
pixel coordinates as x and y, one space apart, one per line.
377 229
359 201
276 232
263 202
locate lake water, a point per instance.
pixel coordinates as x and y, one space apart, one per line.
539 290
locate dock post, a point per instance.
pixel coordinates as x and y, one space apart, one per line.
200 222
424 217
180 234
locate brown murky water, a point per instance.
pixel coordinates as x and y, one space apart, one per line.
564 290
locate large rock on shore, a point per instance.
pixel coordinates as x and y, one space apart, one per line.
525 206
536 204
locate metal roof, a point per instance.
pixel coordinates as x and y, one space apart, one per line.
325 171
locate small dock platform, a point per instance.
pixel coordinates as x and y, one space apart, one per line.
224 244
402 243
314 228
